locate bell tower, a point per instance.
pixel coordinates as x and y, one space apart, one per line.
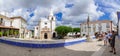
51 16
52 20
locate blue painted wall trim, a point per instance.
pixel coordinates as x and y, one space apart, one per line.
33 45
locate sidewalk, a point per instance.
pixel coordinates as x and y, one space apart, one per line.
107 49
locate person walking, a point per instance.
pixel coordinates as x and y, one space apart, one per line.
99 36
105 38
112 42
109 36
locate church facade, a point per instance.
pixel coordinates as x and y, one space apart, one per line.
46 28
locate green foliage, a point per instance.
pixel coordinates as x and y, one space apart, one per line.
76 29
1 33
6 33
16 32
11 32
63 30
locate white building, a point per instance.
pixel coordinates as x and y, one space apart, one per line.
46 27
97 26
36 35
19 22
6 28
13 25
5 21
28 34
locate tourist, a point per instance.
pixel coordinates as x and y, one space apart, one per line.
112 42
99 36
109 36
105 38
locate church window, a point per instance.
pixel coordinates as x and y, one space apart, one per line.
37 28
45 23
52 18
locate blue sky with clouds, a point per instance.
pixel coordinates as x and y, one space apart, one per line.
67 12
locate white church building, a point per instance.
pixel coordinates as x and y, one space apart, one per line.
46 27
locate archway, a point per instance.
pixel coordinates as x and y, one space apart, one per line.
45 36
54 35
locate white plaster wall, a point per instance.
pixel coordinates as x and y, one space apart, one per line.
36 31
84 30
53 25
7 22
91 28
104 29
97 27
24 24
16 23
42 24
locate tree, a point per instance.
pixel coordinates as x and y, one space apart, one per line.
63 30
1 33
76 29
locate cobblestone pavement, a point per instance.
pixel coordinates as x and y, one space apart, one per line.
107 49
82 49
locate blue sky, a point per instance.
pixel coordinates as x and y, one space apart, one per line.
67 12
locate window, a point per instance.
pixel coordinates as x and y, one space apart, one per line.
37 28
89 28
107 25
82 28
1 20
100 27
52 18
45 23
85 28
94 28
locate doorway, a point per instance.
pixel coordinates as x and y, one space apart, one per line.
54 35
45 36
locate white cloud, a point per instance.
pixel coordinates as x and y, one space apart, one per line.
79 12
111 6
75 15
114 18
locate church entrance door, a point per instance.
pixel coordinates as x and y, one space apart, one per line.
45 36
54 35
